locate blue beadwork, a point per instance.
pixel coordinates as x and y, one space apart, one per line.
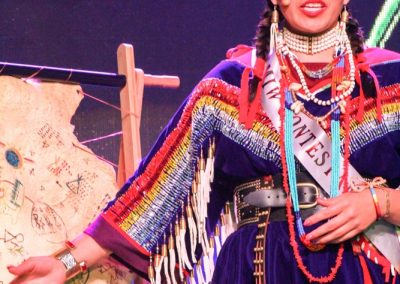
335 161
290 160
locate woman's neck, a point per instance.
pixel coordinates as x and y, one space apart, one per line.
317 48
325 56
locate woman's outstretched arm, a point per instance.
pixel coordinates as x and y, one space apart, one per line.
49 269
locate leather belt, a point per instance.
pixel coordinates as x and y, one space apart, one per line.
255 197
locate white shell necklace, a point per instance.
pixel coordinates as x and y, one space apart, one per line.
345 88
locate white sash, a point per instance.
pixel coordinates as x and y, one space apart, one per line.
312 148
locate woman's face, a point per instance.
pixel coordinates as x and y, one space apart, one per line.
310 16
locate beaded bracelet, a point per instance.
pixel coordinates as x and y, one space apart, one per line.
72 267
376 202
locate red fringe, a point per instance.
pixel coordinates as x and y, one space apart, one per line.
244 96
364 67
254 106
247 109
366 274
374 254
388 94
360 112
345 177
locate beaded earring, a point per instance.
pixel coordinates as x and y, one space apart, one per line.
344 18
274 30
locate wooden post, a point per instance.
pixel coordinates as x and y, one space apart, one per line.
131 101
131 97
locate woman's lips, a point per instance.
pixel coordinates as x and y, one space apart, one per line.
313 8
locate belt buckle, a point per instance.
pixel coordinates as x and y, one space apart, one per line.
311 205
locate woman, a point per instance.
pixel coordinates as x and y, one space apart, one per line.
318 96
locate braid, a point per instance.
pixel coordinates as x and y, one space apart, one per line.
356 35
261 41
262 37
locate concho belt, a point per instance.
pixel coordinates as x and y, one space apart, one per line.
255 197
263 200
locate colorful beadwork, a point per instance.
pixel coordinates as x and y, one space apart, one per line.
212 107
141 211
340 93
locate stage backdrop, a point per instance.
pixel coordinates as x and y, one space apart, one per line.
184 38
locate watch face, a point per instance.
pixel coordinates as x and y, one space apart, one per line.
68 260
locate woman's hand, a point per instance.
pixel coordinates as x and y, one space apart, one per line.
39 270
347 215
48 269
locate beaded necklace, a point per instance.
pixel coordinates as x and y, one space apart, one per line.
344 85
310 44
289 183
340 91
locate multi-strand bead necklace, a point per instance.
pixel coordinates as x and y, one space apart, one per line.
310 44
345 87
343 83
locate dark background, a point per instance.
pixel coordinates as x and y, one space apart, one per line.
184 38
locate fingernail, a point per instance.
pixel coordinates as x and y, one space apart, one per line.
306 222
308 237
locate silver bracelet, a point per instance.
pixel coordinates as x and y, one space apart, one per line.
71 265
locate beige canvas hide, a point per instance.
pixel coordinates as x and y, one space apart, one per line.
51 186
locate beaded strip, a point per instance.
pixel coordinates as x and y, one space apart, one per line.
335 161
290 160
259 249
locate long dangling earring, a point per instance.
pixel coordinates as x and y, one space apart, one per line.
274 30
344 18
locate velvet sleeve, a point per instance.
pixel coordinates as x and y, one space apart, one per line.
142 211
375 145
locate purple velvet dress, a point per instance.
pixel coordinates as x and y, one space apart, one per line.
136 221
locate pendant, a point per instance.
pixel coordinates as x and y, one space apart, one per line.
318 74
310 245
